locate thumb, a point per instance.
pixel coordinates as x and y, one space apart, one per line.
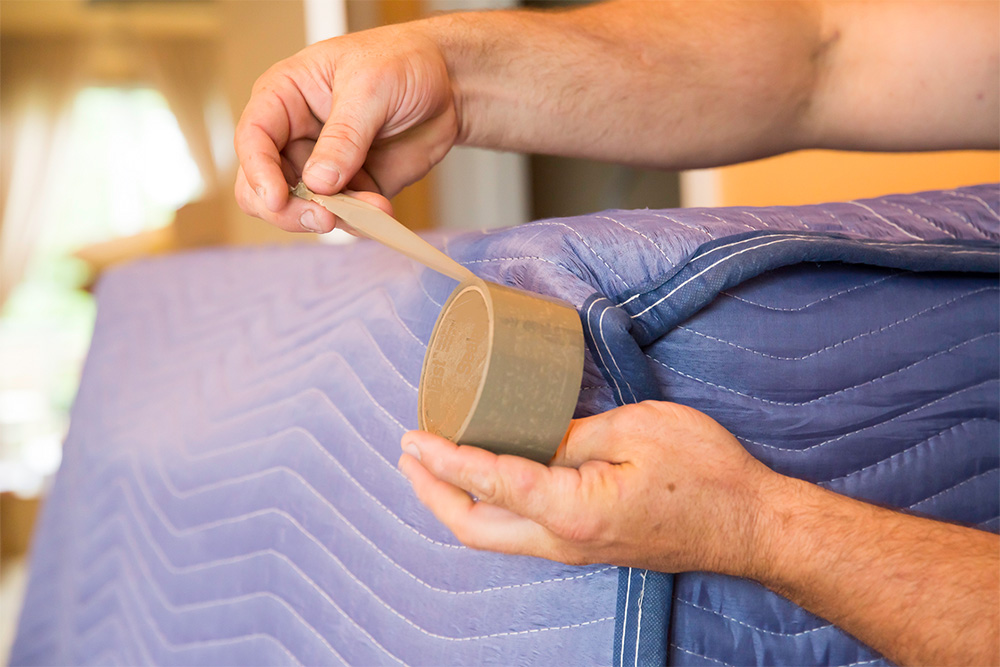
344 141
599 437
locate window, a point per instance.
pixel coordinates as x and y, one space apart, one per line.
125 169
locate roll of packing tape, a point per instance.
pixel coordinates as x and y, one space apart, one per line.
503 366
502 371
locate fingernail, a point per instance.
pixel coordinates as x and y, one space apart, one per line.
324 171
412 450
308 222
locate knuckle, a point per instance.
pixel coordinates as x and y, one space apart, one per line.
339 133
640 417
490 489
367 81
628 415
272 74
579 528
523 483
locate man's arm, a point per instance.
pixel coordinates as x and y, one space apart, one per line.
665 84
664 487
695 84
919 591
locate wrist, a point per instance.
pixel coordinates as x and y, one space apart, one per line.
450 33
488 57
776 506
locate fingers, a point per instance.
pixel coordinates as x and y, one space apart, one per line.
296 215
590 439
261 134
475 524
525 487
343 143
523 506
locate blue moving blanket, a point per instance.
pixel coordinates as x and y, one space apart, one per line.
229 491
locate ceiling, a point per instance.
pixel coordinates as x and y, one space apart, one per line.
52 18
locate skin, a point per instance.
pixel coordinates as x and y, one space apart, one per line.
664 487
671 85
674 85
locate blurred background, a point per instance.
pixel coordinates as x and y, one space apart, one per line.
116 124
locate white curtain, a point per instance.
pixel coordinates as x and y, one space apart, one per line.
41 77
40 80
184 72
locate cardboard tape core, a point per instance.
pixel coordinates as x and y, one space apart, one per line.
502 371
503 366
456 363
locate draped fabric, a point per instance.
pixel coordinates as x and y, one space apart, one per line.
229 493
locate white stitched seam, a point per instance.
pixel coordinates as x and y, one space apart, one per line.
973 197
693 228
222 483
180 608
600 328
930 222
755 628
396 613
868 428
628 592
952 488
513 259
395 313
923 442
584 240
121 634
129 584
322 394
187 493
770 241
699 655
709 268
692 260
885 219
636 231
817 301
426 293
638 618
758 218
824 396
704 211
841 343
367 333
600 354
313 440
962 218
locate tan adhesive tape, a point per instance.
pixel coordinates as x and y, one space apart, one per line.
503 366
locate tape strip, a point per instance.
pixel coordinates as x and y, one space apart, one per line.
373 223
503 366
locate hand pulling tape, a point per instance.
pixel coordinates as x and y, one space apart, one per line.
503 366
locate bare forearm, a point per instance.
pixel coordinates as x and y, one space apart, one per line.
910 76
663 84
664 487
691 84
917 590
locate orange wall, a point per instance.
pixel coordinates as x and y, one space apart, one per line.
809 177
